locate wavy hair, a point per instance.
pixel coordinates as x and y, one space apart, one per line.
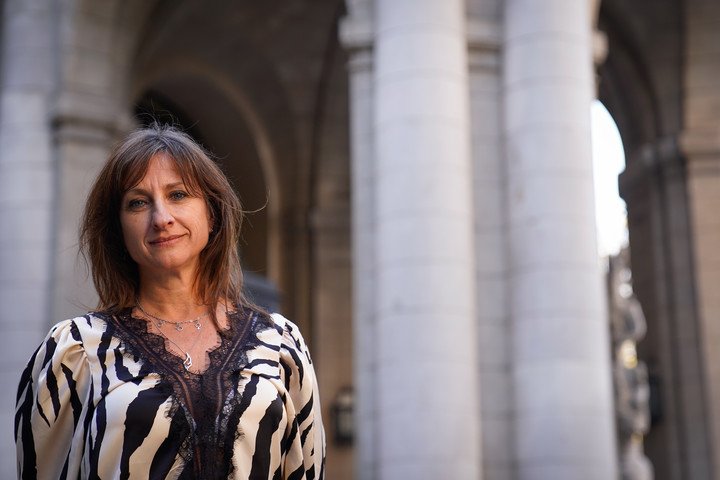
114 273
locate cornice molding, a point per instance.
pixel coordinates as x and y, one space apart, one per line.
701 148
700 143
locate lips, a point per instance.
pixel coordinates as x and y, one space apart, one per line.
163 241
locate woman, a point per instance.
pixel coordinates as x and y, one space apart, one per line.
177 375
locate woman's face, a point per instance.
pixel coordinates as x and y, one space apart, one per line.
164 226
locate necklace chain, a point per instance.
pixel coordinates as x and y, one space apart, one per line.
178 325
159 322
187 362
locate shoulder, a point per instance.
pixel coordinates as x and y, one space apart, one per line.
282 324
65 333
76 331
294 353
81 328
60 350
75 334
291 336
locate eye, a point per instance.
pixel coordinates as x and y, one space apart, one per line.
179 195
136 204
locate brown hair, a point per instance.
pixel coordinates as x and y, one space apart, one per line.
114 273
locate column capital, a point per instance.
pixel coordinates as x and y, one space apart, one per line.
357 28
663 155
484 39
89 120
357 34
656 152
483 34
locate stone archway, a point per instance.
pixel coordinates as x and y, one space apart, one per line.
642 89
222 119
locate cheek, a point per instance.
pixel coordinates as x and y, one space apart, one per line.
202 222
132 232
202 229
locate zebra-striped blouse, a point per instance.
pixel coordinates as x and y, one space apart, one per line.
102 398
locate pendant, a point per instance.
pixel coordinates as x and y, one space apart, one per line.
187 363
197 324
178 327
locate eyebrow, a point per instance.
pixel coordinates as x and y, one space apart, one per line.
142 191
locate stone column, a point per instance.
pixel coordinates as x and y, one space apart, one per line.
563 394
82 143
89 113
491 241
425 343
356 33
701 147
26 197
704 195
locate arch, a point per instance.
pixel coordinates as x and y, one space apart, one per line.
643 91
202 71
626 87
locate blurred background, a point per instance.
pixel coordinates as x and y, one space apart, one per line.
435 201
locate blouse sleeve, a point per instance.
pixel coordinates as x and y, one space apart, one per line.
305 457
51 397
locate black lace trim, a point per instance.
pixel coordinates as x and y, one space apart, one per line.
209 400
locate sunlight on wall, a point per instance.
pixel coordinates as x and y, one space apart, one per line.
608 162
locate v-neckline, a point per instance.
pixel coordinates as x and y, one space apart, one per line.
155 349
207 398
224 335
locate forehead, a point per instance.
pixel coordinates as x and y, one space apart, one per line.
162 165
161 168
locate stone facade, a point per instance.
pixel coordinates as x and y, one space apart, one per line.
419 183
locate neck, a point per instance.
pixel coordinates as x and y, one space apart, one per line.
170 297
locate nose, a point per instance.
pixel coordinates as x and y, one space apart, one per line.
162 216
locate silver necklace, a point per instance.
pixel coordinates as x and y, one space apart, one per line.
159 322
187 362
178 325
